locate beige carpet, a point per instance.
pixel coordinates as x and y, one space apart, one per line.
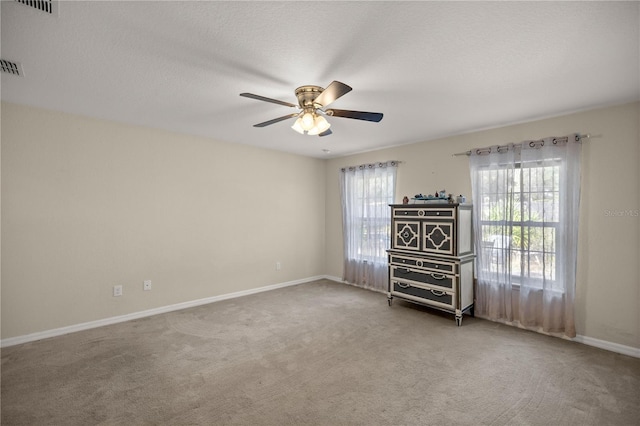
317 353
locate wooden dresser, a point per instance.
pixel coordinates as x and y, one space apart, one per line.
431 256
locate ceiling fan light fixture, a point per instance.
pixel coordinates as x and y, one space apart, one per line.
308 121
297 126
320 125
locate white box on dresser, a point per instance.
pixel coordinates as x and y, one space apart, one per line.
431 258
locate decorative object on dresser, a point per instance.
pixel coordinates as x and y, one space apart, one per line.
431 256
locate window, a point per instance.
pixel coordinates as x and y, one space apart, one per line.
519 225
370 217
367 191
526 200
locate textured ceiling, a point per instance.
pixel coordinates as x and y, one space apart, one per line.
433 68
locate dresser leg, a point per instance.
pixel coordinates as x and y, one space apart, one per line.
389 299
458 317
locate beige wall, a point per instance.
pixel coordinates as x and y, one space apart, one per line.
89 204
608 289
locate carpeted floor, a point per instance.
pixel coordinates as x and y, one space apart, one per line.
318 353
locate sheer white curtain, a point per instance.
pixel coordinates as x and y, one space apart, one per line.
526 207
367 190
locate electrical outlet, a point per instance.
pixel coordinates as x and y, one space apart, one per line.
278 266
146 286
117 290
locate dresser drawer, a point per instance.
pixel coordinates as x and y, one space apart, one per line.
446 281
445 213
439 298
445 267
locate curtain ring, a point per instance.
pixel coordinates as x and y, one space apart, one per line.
555 141
370 166
381 165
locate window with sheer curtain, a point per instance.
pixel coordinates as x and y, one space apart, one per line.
367 190
519 227
526 200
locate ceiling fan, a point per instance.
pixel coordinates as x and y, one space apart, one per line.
312 103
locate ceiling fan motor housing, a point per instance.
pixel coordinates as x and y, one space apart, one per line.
307 94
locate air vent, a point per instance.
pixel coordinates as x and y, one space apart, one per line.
47 6
14 68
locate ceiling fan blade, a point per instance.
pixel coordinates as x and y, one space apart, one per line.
358 115
326 133
275 120
273 101
331 93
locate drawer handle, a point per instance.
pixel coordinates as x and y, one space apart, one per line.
403 285
438 276
438 293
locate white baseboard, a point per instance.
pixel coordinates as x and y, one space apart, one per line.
590 341
11 341
609 346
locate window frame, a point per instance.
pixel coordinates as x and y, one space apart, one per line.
520 196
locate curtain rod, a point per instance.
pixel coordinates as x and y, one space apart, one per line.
562 139
372 165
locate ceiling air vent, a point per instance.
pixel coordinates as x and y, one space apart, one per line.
14 68
48 6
